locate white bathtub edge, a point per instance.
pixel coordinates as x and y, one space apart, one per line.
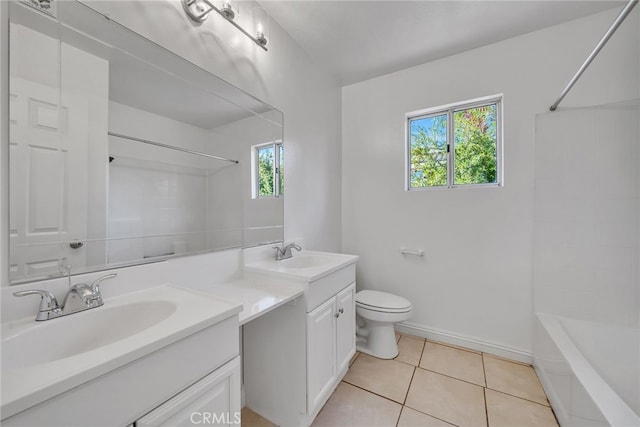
611 406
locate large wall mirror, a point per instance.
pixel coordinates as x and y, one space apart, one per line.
122 153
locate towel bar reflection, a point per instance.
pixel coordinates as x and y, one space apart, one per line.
159 144
416 252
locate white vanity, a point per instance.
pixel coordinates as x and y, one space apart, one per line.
154 350
169 355
295 358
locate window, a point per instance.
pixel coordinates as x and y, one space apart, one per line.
455 145
267 170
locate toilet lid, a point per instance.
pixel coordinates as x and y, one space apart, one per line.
381 300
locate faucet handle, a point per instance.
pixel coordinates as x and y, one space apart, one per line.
48 303
95 285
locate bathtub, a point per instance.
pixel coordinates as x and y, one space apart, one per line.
590 371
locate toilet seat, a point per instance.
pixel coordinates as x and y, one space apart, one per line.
383 302
378 311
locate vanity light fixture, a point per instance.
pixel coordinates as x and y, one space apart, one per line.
199 10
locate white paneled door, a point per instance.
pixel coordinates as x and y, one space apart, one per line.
48 182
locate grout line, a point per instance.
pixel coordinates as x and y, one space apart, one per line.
372 392
484 370
404 402
449 376
486 406
518 397
424 413
424 347
394 359
399 415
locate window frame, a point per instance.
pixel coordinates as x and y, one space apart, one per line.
255 173
449 111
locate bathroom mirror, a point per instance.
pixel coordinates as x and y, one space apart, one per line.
122 153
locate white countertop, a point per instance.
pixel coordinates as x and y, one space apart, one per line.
26 386
265 285
258 295
320 264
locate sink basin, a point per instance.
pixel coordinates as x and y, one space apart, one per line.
304 260
81 332
306 266
41 360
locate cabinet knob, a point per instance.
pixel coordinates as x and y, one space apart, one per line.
337 314
341 310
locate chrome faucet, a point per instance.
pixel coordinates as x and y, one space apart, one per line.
80 297
285 252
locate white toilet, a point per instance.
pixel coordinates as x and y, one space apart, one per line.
377 312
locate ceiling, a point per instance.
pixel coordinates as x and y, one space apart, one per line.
358 40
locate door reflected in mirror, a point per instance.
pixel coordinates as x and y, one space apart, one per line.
122 152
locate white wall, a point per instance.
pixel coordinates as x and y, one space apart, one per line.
586 216
287 78
475 281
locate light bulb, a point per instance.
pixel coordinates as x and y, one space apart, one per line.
230 9
261 22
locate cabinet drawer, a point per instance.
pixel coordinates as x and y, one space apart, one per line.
213 400
322 289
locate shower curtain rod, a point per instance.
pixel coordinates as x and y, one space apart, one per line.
159 144
621 17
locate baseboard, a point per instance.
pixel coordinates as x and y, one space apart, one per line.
464 341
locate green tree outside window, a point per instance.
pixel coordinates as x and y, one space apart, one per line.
475 147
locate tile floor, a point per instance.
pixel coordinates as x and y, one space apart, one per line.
433 384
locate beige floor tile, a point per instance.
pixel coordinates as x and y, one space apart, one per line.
453 362
508 411
410 350
455 346
412 418
351 406
251 419
387 378
415 337
513 378
353 359
448 399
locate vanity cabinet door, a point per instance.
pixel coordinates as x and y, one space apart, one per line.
321 371
345 327
213 400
